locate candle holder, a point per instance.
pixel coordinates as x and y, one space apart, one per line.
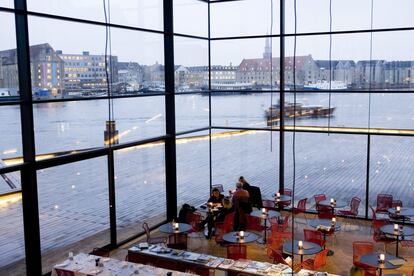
300 245
333 222
397 209
264 211
381 258
277 195
396 227
333 202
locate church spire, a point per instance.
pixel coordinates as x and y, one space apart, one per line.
267 54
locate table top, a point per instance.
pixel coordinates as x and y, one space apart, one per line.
281 198
404 231
182 228
404 212
309 248
339 203
269 214
84 264
372 260
233 237
325 222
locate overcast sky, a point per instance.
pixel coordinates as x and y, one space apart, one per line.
248 17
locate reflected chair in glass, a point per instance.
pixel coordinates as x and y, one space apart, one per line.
317 262
384 202
314 236
177 241
62 272
361 248
353 209
300 208
218 186
318 198
325 211
236 251
152 240
102 252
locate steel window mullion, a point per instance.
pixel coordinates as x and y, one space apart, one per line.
30 203
170 143
282 98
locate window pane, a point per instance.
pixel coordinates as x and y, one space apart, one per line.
191 64
9 79
391 169
140 188
248 64
191 17
143 13
332 164
139 118
244 18
73 209
191 111
252 154
66 126
389 15
238 110
193 168
10 138
12 254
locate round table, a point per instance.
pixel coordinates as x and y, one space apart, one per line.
309 248
402 214
315 223
269 214
339 203
372 260
403 232
182 228
233 237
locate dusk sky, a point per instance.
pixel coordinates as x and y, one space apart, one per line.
248 17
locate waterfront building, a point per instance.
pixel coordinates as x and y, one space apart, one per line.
369 74
87 72
130 74
398 74
45 65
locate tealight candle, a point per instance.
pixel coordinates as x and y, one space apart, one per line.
332 200
264 211
241 234
277 194
333 221
300 244
382 258
396 227
176 226
398 208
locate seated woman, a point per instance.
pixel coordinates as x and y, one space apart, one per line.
227 209
216 197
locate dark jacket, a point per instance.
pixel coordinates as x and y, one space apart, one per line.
223 213
214 199
182 215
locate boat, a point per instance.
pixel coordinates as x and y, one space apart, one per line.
325 85
297 110
9 94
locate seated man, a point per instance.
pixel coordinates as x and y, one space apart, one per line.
216 197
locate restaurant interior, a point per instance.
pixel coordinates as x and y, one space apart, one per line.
208 191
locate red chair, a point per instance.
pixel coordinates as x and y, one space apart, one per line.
236 251
318 198
301 208
353 211
384 202
276 256
177 241
278 232
229 220
281 224
194 219
287 192
378 236
102 252
62 272
151 240
316 263
325 211
254 223
314 236
275 242
220 230
218 186
361 248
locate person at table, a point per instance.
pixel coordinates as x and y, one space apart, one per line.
244 183
216 197
227 209
242 207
